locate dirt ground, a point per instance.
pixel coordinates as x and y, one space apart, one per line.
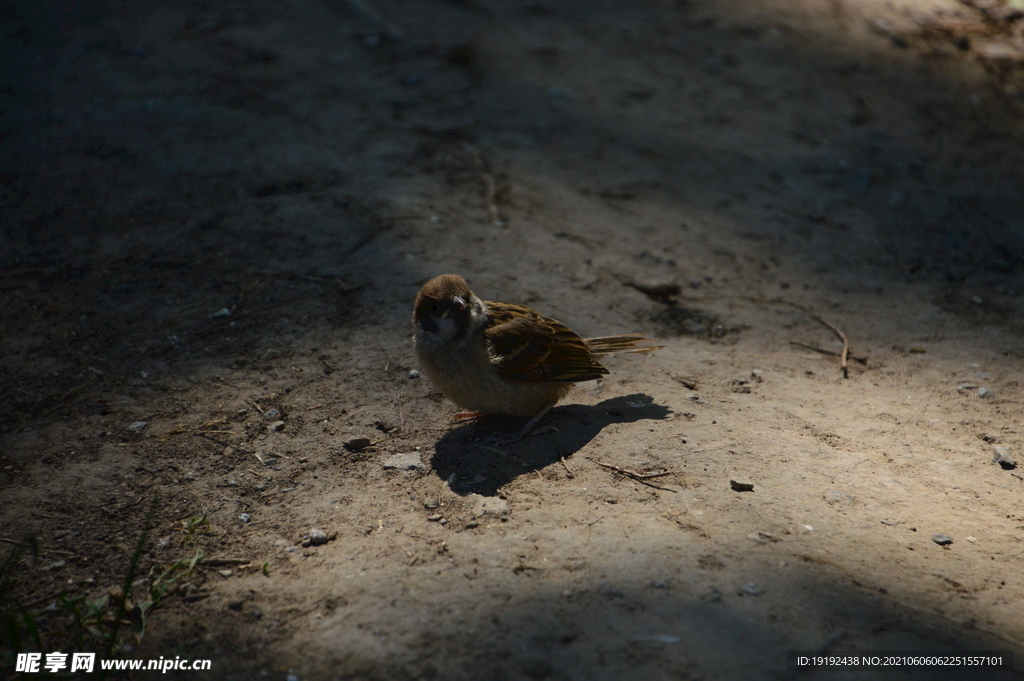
216 215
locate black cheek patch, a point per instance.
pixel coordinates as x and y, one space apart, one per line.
428 324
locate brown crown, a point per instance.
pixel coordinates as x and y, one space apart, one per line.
442 289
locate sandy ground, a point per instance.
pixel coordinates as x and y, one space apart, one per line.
216 216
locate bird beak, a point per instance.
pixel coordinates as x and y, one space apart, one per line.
459 303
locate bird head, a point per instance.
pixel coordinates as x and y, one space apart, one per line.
446 310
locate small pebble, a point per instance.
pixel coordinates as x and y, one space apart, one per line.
245 517
414 374
561 93
317 537
751 589
229 450
1001 456
741 486
656 289
654 638
434 518
984 391
356 444
226 573
404 462
272 413
942 539
431 504
138 425
276 426
488 506
835 497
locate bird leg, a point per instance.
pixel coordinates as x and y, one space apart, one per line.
525 430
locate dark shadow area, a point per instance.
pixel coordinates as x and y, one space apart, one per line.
482 468
623 630
639 619
136 253
141 195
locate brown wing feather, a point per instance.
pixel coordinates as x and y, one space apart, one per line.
626 342
531 348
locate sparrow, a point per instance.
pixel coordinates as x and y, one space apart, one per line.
502 358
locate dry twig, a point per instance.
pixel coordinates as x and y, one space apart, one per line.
843 356
642 478
688 382
223 562
835 329
490 184
860 360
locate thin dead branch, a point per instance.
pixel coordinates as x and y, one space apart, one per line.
843 355
490 184
859 360
642 478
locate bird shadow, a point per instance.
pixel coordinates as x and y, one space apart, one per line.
481 467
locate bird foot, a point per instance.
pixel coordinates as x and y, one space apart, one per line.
467 415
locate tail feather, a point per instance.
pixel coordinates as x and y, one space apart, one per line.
626 342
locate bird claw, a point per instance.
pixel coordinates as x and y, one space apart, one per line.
467 415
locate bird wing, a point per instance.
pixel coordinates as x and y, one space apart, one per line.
528 347
626 342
